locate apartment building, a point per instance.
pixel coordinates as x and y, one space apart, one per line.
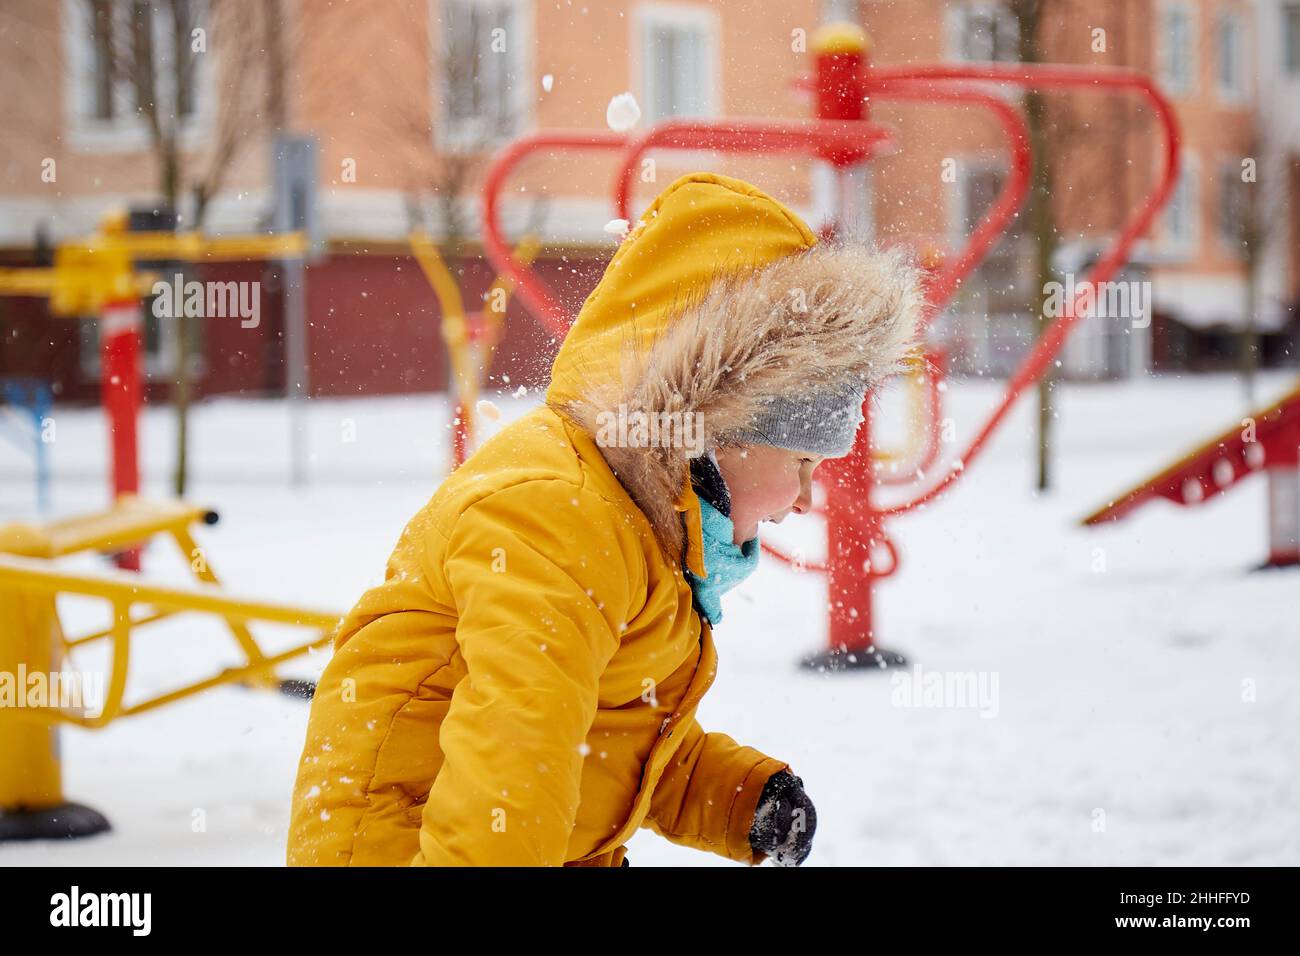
408 100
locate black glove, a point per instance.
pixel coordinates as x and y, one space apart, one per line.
785 820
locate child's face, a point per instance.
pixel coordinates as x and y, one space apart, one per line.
766 484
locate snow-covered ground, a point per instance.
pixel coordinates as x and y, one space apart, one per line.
1121 732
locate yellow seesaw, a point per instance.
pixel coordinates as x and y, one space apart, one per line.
34 645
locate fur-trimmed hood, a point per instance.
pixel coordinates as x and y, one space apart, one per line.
719 300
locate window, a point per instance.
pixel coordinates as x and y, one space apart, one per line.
1177 48
1180 216
128 58
1229 60
483 73
678 61
982 32
1291 38
990 326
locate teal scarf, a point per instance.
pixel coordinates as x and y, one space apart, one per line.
726 564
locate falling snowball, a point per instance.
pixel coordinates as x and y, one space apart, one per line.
488 410
547 82
521 391
617 227
622 113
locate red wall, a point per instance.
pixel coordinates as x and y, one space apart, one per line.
373 328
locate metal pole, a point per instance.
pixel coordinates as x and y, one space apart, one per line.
295 347
294 169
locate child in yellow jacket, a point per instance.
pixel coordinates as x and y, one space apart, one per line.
521 689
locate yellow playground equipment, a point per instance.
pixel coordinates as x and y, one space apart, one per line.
470 337
35 649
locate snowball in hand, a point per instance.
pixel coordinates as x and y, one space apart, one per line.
622 113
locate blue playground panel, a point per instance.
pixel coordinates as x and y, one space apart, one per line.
33 398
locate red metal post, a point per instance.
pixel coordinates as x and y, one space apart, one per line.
119 333
459 435
852 524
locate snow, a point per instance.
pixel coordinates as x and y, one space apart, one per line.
1144 680
622 113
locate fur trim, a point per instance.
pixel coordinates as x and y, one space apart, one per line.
832 312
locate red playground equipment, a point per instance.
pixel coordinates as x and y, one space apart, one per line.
845 85
1268 441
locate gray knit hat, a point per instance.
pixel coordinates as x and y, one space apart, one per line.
824 422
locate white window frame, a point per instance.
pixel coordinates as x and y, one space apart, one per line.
677 15
455 135
958 16
127 133
1167 83
1235 92
1189 178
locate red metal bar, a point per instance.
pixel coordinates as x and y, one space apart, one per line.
849 631
534 291
747 136
460 439
854 524
1053 338
119 332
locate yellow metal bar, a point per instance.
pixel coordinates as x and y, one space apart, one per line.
43 283
33 583
467 365
41 576
198 247
203 571
108 631
455 328
500 290
130 521
121 661
916 432
245 674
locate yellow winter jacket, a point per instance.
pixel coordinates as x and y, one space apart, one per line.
522 687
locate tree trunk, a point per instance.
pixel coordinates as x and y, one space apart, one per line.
1028 14
1043 230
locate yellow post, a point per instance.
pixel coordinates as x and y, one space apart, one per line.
31 770
30 777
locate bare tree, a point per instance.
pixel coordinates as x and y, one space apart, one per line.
166 94
1250 200
1080 179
